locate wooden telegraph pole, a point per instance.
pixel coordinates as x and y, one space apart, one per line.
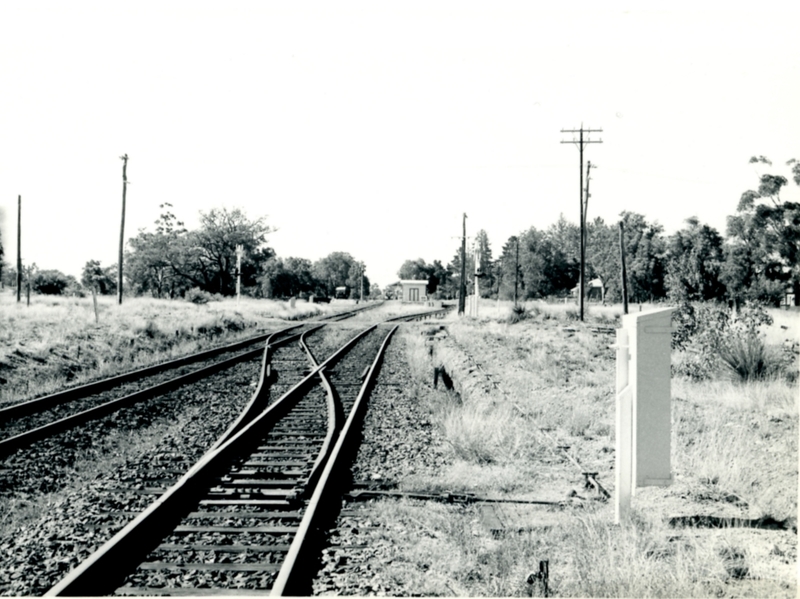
516 270
624 272
124 159
582 142
462 287
19 248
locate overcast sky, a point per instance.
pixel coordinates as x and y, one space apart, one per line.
371 127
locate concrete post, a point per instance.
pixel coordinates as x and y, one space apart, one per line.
644 414
623 466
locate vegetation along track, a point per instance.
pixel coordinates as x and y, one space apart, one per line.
242 517
24 423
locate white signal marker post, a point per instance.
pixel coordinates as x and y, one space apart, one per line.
644 414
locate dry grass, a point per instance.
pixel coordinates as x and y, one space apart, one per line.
734 454
55 341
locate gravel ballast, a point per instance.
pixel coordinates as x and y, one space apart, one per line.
101 475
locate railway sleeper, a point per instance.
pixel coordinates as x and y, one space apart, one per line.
189 592
257 567
234 548
270 529
247 514
229 482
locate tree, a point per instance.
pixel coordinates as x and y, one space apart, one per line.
2 261
212 249
173 260
51 282
415 270
764 240
644 251
99 278
485 266
289 277
156 263
694 261
339 269
440 281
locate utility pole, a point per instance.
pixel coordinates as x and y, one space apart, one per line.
516 270
584 228
124 159
476 293
19 248
582 142
462 291
624 272
361 277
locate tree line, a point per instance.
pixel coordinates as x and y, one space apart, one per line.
757 260
171 260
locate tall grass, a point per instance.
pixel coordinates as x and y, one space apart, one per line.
55 341
748 358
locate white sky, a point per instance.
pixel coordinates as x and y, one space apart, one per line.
371 127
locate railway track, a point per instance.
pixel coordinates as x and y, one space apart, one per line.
242 520
24 423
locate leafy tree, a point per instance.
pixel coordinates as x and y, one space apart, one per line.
156 263
51 282
764 240
212 250
694 261
507 269
440 281
104 280
287 277
644 257
416 270
339 269
172 259
485 265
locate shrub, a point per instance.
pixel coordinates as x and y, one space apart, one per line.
713 338
198 296
149 330
518 313
51 282
747 358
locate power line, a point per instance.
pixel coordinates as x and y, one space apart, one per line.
581 142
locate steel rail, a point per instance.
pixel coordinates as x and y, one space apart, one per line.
42 403
103 571
11 444
334 423
348 313
293 576
259 398
420 315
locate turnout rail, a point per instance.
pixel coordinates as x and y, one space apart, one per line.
40 418
242 519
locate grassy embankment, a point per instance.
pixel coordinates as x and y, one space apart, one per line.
734 454
56 341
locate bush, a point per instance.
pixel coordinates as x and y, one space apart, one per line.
149 330
51 282
518 313
198 296
714 339
748 358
